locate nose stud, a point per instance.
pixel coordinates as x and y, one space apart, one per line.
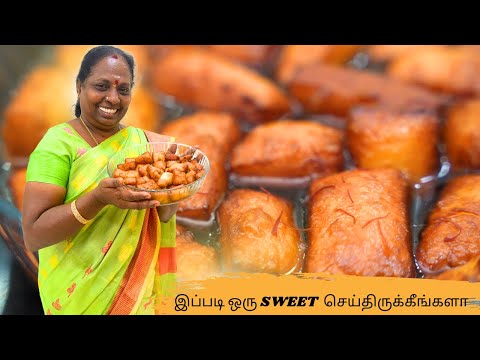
107 98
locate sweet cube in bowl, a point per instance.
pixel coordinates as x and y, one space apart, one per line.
170 171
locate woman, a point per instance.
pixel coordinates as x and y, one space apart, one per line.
103 249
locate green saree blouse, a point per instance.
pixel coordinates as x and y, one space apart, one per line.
122 261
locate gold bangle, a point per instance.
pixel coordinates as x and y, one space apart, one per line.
77 215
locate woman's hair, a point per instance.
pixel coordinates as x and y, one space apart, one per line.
92 57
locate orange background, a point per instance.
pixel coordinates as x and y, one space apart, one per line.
242 294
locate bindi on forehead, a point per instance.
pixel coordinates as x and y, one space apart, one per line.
113 60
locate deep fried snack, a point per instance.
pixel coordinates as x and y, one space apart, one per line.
202 205
149 172
157 52
450 70
205 127
33 109
385 53
379 137
330 89
358 225
451 237
198 77
461 135
216 134
258 233
467 272
294 56
258 56
195 261
289 148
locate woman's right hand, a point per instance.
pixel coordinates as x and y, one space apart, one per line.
111 191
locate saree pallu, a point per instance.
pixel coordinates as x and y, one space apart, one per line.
122 261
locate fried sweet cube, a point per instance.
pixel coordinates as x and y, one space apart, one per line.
379 137
289 148
258 233
195 261
358 225
292 57
201 78
461 134
449 70
451 237
329 89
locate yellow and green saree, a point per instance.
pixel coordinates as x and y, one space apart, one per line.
121 262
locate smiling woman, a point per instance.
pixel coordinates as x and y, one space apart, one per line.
103 248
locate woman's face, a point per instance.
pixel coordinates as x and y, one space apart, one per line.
106 93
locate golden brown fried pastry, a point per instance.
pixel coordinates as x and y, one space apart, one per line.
258 233
215 134
294 56
382 53
202 205
258 56
468 272
461 134
157 52
330 89
379 137
358 225
16 183
202 126
452 237
34 110
195 261
445 69
289 148
200 78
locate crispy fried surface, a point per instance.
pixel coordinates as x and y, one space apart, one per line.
215 134
201 205
449 70
358 225
452 237
36 109
290 148
462 136
205 127
293 57
253 55
468 272
330 89
195 261
258 233
379 138
197 77
381 53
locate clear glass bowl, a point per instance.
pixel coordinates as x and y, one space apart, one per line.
164 196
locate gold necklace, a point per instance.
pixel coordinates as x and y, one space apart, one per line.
86 127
